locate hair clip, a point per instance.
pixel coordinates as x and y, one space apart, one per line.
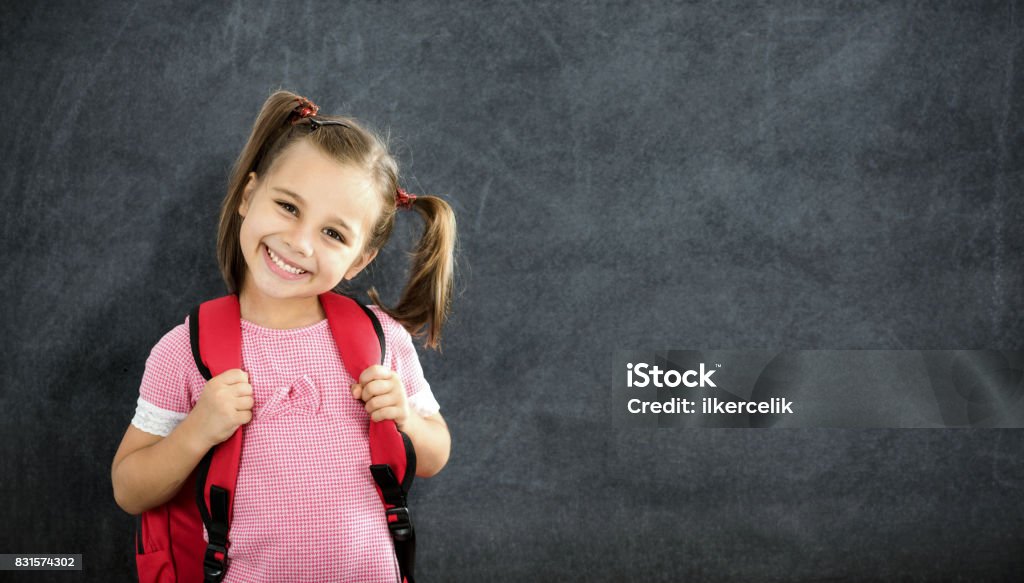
314 124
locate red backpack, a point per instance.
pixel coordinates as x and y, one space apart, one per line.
169 542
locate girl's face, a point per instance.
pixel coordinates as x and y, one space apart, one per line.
304 225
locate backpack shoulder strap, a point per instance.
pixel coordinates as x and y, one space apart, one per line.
356 330
215 333
359 338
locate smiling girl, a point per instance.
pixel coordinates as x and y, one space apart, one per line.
311 201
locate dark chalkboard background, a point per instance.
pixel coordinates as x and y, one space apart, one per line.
626 175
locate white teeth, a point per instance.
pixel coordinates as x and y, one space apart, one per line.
277 261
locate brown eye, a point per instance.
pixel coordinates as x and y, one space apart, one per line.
334 235
287 207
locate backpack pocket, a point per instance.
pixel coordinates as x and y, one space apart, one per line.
153 565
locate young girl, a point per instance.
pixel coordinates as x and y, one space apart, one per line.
311 201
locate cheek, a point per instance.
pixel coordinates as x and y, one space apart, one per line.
245 236
250 236
254 226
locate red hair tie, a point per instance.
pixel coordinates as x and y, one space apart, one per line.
403 200
304 109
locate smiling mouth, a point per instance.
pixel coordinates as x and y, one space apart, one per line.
284 264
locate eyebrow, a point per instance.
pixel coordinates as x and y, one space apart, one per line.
341 222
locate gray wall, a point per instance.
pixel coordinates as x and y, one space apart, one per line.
759 175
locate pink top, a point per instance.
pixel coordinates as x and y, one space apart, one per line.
305 507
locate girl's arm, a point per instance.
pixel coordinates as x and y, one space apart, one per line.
148 470
430 438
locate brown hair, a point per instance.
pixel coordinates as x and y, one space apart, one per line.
426 299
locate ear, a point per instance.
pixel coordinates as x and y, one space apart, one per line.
360 264
250 188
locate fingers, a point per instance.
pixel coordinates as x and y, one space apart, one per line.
380 402
394 413
376 371
244 404
375 380
380 387
388 403
244 398
235 375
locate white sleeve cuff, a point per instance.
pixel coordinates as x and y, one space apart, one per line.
153 419
424 403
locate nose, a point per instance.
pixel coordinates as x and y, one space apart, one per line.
300 240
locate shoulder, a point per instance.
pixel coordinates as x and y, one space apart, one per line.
393 329
172 355
175 344
171 380
397 339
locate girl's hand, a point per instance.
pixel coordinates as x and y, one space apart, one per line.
382 391
226 403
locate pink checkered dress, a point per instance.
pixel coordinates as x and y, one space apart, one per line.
305 509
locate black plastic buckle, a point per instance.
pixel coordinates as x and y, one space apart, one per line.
401 529
213 567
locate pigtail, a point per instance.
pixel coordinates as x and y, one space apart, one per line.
426 299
